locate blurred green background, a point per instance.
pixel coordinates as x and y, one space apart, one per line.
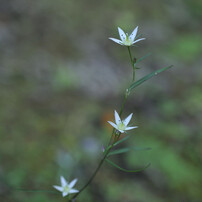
61 78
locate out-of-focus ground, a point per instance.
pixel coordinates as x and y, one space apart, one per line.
61 78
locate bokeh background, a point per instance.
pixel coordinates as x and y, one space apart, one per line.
60 80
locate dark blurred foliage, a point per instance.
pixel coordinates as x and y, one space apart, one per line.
61 78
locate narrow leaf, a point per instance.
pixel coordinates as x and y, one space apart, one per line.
125 170
142 58
124 150
145 78
122 140
119 151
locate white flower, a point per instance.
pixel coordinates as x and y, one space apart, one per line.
66 188
127 40
121 125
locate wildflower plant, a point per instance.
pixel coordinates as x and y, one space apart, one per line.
120 126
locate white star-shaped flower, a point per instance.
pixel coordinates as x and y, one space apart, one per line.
121 125
127 40
66 188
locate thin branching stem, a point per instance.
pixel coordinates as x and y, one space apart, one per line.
132 63
95 172
115 139
104 157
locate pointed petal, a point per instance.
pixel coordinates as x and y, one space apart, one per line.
73 191
72 183
117 117
58 188
113 124
133 34
116 41
63 181
138 40
122 34
64 194
122 131
130 128
127 120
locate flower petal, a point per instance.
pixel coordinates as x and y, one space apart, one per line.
122 34
122 131
138 40
130 128
72 183
127 120
133 34
73 191
58 188
64 194
116 41
113 124
117 117
63 181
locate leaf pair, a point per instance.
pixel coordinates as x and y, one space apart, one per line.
124 150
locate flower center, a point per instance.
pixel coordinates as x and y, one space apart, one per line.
121 126
127 41
66 189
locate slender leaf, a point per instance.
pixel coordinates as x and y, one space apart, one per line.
122 140
142 58
119 151
145 78
116 143
125 170
124 150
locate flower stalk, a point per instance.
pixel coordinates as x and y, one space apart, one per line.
132 63
116 138
94 174
105 152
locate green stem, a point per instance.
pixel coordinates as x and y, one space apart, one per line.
94 174
132 63
115 140
105 156
123 104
